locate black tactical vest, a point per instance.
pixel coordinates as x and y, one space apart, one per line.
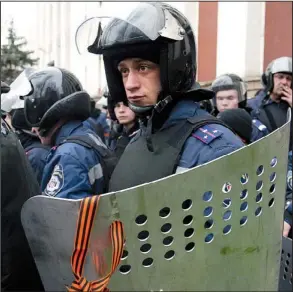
138 165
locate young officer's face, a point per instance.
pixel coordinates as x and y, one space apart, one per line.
124 114
141 79
227 99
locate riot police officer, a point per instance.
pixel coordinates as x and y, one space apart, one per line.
271 105
153 67
56 106
18 184
124 125
231 93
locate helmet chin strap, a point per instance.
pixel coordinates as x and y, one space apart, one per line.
147 110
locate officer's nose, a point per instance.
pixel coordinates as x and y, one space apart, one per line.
132 83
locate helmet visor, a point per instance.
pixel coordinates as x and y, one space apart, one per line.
146 22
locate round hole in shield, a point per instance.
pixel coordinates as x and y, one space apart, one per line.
209 224
188 232
274 162
243 194
168 240
288 255
258 197
143 235
272 188
165 212
287 262
166 228
207 196
227 215
208 211
273 177
169 255
284 276
209 238
243 220
227 229
125 269
282 251
243 206
141 219
286 270
145 248
260 170
124 255
188 220
187 204
190 246
227 187
147 262
227 203
258 211
244 178
259 185
271 202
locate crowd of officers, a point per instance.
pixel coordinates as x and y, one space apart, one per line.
153 120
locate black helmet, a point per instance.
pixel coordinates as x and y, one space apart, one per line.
55 93
154 31
239 120
279 65
230 81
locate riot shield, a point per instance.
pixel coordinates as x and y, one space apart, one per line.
216 227
285 279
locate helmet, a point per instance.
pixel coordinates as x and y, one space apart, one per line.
154 31
279 65
239 120
55 93
230 81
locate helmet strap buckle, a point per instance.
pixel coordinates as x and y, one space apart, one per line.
161 104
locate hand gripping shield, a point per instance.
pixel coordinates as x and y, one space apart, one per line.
217 227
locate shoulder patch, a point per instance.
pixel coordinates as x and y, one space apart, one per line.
56 181
259 125
207 134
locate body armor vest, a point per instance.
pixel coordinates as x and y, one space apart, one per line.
139 165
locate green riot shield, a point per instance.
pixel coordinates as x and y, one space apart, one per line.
216 227
285 279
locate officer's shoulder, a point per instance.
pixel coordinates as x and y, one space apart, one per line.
258 124
210 133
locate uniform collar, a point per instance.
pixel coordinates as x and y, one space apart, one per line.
66 130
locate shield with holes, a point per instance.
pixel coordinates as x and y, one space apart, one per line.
216 227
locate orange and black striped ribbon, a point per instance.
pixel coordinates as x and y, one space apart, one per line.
85 221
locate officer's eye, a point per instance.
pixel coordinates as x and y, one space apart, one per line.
144 67
124 71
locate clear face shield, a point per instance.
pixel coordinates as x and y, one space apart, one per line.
18 88
146 22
